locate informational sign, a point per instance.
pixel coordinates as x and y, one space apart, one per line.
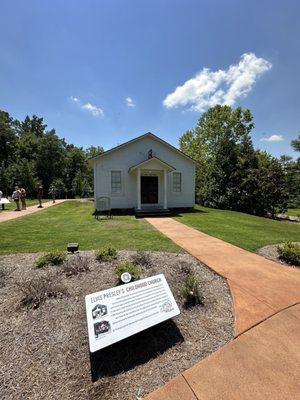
116 313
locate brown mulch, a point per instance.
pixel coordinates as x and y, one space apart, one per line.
270 252
44 350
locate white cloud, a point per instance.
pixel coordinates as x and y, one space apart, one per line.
209 88
74 99
96 111
129 102
272 138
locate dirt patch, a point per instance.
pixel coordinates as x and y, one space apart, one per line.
270 252
44 351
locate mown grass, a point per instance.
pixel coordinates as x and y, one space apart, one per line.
293 212
246 231
52 228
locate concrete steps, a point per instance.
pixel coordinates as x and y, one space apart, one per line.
152 212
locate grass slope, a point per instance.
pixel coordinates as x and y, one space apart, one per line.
53 228
246 231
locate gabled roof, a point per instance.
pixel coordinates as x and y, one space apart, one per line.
148 134
145 162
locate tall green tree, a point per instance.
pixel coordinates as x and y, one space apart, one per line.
272 197
216 144
291 169
51 156
8 139
231 174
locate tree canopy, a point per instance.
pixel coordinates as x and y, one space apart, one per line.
30 154
231 174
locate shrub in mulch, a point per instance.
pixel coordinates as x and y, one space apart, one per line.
141 258
128 267
76 265
38 290
107 253
52 258
191 292
290 253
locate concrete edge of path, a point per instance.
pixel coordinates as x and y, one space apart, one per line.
9 215
260 364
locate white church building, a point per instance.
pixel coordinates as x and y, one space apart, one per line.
145 173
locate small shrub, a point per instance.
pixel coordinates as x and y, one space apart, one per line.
290 253
53 258
38 290
191 291
127 267
141 258
186 267
75 265
106 254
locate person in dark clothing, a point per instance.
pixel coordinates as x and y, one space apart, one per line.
40 193
23 198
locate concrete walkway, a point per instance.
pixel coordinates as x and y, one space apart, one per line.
263 361
8 215
259 287
261 364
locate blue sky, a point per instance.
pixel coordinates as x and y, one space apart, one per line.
76 62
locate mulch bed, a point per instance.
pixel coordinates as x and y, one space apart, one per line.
44 351
270 252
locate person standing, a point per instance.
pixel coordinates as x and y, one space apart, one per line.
40 193
53 192
16 198
23 198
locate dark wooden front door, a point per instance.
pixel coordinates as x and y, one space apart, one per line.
149 189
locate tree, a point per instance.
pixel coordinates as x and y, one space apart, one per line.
230 173
50 161
81 185
60 186
4 180
273 195
8 138
29 154
23 174
93 151
216 143
296 144
291 169
34 125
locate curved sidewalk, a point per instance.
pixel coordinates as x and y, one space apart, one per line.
261 364
263 360
8 215
259 287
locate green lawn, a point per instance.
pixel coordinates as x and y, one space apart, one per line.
293 211
53 228
243 230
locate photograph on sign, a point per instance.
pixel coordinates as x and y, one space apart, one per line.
119 312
